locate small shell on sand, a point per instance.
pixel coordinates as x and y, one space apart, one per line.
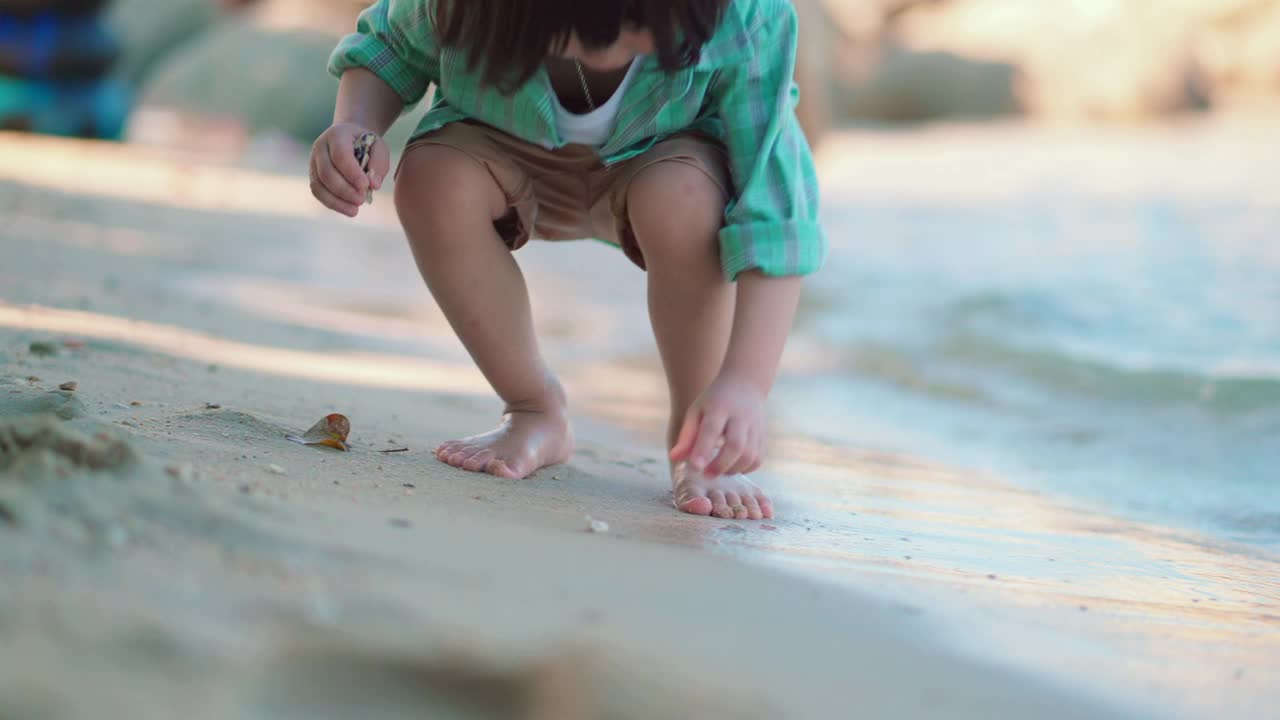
69 386
596 526
275 469
331 431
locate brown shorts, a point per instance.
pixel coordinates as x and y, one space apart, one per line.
568 194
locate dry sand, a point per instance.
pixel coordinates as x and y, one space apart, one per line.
165 552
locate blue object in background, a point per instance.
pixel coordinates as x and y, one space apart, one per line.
54 75
94 109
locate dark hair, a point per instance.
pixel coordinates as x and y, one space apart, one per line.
508 40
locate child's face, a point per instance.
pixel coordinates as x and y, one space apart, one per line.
631 42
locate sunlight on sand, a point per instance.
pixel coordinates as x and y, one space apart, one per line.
128 172
1055 568
369 370
1044 551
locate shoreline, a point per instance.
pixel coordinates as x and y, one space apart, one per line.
880 633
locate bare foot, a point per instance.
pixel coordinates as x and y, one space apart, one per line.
524 443
727 496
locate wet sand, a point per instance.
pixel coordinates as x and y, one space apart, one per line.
174 555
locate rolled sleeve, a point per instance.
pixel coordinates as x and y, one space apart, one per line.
394 40
772 225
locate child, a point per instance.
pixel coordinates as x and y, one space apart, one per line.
666 127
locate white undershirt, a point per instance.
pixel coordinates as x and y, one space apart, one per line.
593 128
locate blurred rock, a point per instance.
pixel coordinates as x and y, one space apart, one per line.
1084 61
148 30
250 81
1090 60
905 86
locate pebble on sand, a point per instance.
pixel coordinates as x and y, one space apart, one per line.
275 469
596 526
183 473
43 349
69 386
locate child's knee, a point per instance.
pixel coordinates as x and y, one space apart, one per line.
439 182
672 201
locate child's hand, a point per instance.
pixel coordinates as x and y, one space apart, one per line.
336 178
724 431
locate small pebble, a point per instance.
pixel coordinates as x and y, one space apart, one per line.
245 488
135 403
43 349
991 577
400 523
275 469
212 406
597 526
1084 608
182 473
69 386
410 485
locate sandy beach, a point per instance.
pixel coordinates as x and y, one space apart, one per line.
166 552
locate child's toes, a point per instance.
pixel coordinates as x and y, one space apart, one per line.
478 462
766 507
461 455
699 505
719 506
498 468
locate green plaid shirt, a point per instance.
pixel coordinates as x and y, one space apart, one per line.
741 90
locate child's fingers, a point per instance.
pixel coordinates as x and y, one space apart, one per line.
342 156
735 444
379 164
710 431
331 201
332 180
751 461
688 434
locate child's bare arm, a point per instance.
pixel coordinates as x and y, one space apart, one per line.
766 309
388 64
366 104
771 239
724 432
365 100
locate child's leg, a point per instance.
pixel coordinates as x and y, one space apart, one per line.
448 204
676 212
